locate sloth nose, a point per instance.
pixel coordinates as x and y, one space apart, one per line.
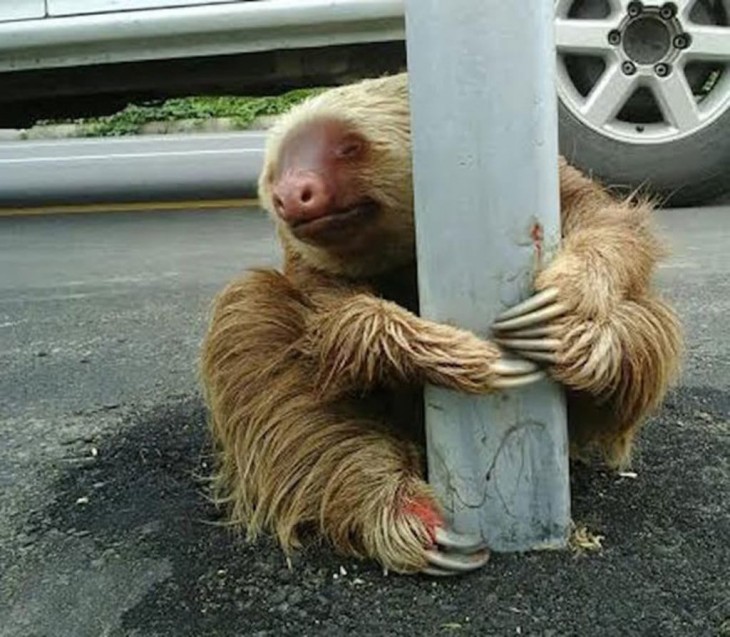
302 197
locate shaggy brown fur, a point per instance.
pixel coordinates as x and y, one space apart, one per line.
313 375
621 343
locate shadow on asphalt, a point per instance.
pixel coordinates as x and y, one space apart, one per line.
662 571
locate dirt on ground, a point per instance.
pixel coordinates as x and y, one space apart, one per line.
139 498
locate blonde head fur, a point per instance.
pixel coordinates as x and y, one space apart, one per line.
377 109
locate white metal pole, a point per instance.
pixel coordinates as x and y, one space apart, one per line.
484 116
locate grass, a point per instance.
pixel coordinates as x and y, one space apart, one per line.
242 111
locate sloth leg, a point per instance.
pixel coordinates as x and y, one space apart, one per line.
290 459
353 482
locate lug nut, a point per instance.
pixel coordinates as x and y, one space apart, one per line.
634 9
614 37
628 67
662 69
668 11
681 41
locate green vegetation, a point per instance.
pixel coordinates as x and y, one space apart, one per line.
242 111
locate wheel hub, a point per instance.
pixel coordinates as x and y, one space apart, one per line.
644 72
647 39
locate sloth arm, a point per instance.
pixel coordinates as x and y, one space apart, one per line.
607 256
360 340
595 318
609 249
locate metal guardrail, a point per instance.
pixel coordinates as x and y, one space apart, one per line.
217 29
147 168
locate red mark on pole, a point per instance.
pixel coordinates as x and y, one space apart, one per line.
537 234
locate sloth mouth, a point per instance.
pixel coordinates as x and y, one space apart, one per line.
336 225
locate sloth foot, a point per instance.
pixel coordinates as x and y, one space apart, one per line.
449 552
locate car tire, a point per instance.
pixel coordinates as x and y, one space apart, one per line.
689 171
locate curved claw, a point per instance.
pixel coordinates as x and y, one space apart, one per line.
539 357
532 318
509 382
455 563
514 367
540 350
532 332
437 572
534 302
459 542
531 344
456 553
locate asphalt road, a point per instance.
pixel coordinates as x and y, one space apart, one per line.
104 527
157 167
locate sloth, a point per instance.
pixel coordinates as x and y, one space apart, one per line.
313 374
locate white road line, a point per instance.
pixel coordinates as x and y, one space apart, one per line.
171 140
177 153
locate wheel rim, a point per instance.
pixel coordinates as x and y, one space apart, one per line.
672 58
